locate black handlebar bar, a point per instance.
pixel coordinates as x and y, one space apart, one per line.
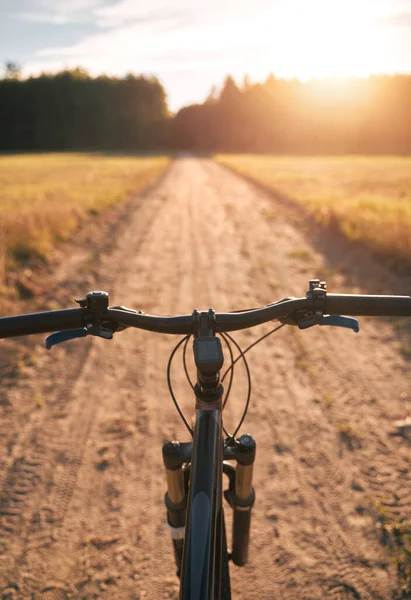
42 322
332 304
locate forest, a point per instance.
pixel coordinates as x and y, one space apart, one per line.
72 110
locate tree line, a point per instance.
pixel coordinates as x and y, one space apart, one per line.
370 115
73 111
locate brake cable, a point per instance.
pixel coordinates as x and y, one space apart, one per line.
185 362
170 387
232 370
251 346
232 436
227 338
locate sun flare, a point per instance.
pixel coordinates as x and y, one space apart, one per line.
321 38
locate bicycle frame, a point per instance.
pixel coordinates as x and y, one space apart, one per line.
201 572
200 519
202 554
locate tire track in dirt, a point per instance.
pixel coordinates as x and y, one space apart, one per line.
47 463
25 519
386 468
71 266
322 469
92 501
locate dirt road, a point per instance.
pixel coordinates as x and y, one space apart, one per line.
81 496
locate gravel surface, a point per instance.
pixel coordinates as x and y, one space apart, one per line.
81 430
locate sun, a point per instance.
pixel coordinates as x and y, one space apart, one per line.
320 38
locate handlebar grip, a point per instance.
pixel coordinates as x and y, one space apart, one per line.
372 306
43 322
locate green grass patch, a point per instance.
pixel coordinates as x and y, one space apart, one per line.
367 198
43 198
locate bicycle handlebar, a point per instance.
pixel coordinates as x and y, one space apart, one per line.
332 304
42 322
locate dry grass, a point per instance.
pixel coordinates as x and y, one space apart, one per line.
396 536
44 197
366 198
349 435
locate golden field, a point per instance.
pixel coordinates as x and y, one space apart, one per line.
367 198
44 197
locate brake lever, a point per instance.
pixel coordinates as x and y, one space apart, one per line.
96 300
64 336
330 320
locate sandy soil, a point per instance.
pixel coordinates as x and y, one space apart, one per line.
81 427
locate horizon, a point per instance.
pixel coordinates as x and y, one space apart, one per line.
190 48
326 82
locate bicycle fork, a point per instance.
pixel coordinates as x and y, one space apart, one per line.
240 494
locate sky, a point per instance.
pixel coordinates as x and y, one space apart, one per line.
192 44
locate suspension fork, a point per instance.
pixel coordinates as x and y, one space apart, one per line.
175 455
240 495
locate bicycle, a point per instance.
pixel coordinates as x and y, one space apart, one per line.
194 469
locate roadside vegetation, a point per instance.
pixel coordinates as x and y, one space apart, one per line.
396 536
367 198
43 198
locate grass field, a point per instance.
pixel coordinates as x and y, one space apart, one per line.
44 197
366 198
